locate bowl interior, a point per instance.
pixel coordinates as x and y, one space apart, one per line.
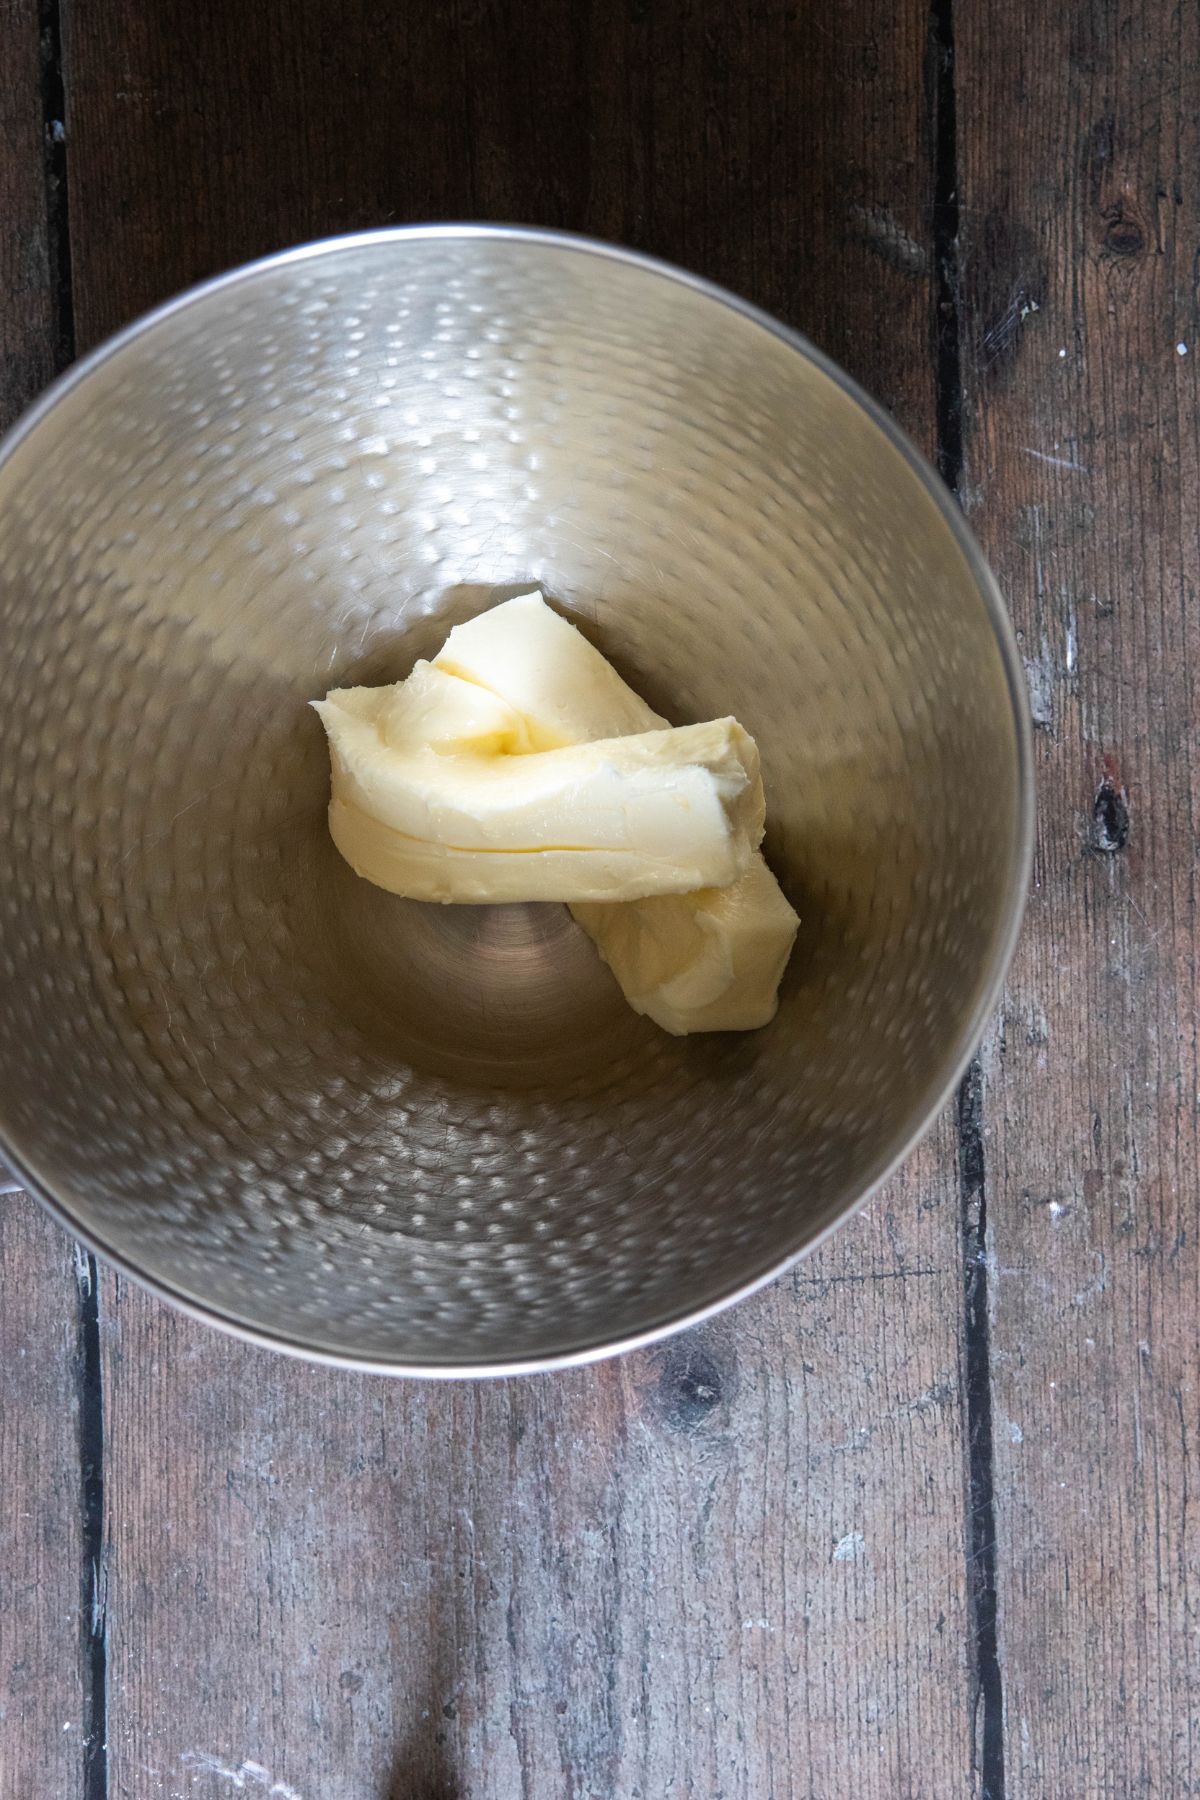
438 1136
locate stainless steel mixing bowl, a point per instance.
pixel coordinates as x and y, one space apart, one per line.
436 1139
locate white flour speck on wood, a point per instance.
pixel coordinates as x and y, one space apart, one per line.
243 1776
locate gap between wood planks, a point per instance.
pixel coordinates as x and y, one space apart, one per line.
986 1673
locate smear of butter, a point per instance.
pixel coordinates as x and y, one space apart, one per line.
659 812
703 961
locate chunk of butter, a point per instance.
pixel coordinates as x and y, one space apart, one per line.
566 692
660 812
703 961
708 961
437 711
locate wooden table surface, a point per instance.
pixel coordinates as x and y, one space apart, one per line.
919 1520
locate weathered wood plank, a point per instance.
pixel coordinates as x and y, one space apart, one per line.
728 1566
42 1718
1078 142
777 152
734 1565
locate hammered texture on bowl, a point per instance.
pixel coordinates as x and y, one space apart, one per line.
437 1136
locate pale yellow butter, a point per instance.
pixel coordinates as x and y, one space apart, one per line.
659 812
528 655
438 712
709 960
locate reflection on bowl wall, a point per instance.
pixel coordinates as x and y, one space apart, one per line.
437 1138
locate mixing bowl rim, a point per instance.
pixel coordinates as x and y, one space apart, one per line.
1019 865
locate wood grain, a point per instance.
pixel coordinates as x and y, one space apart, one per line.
43 1721
732 1566
42 1715
1078 144
779 154
27 325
